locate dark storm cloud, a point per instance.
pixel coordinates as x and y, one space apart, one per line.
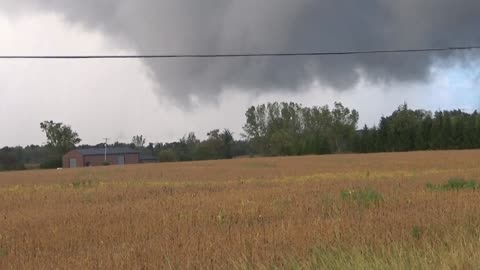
241 26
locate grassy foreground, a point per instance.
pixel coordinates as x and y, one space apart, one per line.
382 211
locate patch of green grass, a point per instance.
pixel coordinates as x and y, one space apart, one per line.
417 232
394 256
77 184
222 217
281 206
455 184
3 252
364 197
83 184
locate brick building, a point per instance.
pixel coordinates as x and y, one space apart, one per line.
96 157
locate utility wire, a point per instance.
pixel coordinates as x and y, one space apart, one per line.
339 53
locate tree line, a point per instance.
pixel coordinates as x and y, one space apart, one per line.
276 129
280 129
416 130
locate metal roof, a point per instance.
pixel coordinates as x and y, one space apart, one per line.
110 151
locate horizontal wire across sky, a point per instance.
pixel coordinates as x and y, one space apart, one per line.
340 53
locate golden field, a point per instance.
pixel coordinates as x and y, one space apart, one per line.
263 213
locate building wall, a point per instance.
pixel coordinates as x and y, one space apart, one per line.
132 159
112 159
72 154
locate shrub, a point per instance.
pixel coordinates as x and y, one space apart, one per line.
16 167
365 197
167 156
52 163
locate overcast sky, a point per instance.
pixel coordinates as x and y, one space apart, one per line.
165 100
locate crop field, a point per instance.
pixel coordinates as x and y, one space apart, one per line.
380 211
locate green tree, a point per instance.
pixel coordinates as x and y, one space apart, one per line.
290 129
228 143
344 126
187 147
256 128
217 146
61 138
138 141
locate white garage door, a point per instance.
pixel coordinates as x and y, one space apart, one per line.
73 163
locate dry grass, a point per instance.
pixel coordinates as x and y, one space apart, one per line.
306 212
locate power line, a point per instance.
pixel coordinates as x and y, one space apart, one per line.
339 53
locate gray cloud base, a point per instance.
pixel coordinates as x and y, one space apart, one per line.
271 26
